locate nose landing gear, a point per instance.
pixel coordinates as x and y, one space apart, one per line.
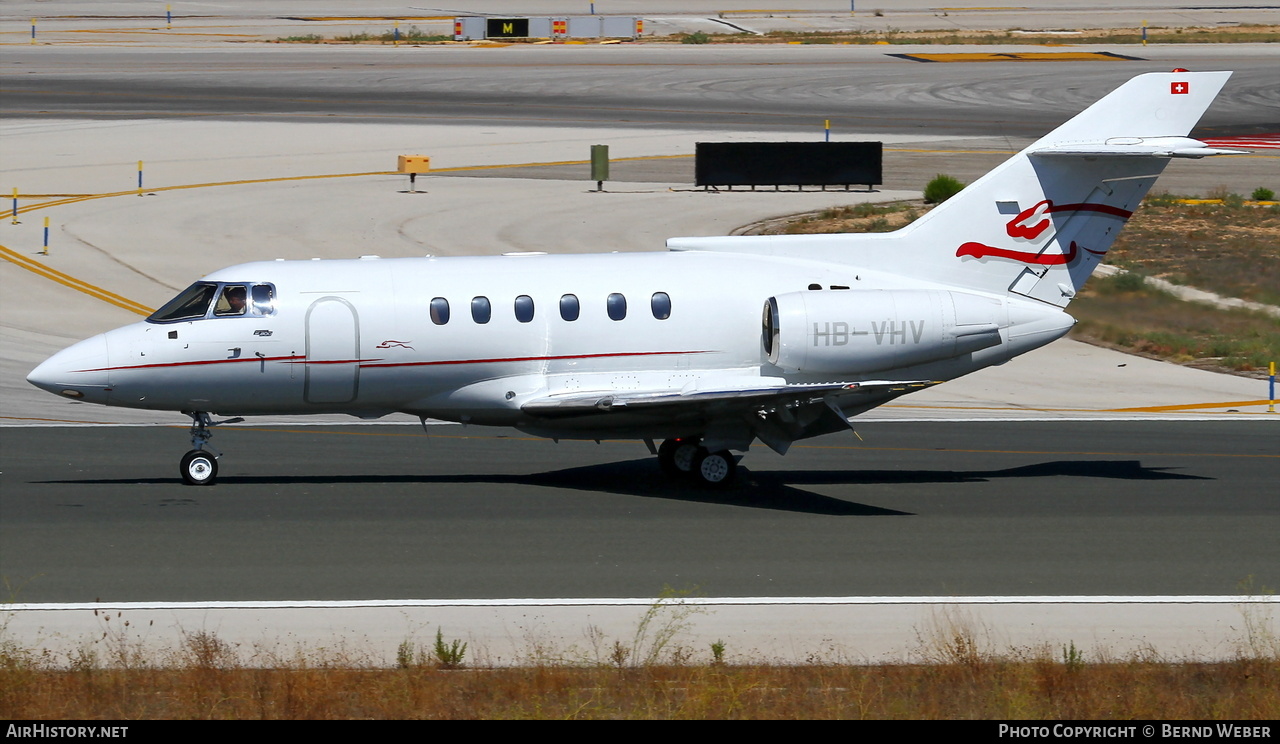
199 467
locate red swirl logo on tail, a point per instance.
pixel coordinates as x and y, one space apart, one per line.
1031 223
982 250
1022 227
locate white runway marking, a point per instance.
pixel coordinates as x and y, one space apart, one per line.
640 602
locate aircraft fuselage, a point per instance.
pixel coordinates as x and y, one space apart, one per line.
369 336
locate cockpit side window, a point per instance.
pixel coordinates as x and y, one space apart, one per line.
191 304
264 299
232 301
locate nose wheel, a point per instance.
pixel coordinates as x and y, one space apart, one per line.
199 467
687 458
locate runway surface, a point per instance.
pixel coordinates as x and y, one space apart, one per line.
778 88
391 512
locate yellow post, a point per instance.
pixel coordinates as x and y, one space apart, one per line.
15 205
1272 408
45 252
139 178
33 30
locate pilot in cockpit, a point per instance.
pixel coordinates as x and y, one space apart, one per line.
232 301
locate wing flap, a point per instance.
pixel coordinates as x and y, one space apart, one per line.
759 397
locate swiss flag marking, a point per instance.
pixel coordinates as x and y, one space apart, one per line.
1179 88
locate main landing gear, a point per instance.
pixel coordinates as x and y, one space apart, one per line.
199 467
687 458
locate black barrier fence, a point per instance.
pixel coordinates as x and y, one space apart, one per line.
789 164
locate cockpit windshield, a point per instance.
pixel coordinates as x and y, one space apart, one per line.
192 303
218 300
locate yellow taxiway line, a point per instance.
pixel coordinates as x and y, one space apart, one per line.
70 281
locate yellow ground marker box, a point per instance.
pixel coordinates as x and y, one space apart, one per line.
413 164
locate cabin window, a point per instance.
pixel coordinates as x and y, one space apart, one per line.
192 303
569 307
660 303
481 310
524 308
439 310
233 300
617 306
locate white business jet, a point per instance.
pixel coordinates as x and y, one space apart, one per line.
707 347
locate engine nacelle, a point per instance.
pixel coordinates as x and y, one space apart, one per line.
859 331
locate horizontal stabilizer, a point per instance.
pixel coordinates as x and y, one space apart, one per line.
1150 147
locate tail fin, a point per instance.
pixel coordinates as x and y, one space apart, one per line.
1039 223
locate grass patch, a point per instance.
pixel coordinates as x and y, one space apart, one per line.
411 35
1239 34
941 188
961 679
1116 312
1230 248
956 669
855 218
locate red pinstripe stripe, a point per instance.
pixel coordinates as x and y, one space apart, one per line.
373 363
197 363
530 359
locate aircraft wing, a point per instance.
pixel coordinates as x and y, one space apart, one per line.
731 416
764 398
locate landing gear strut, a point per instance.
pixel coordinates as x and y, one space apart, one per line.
199 467
687 458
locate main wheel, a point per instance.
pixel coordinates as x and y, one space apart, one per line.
199 468
676 456
715 469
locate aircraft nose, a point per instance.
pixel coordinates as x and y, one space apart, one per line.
78 372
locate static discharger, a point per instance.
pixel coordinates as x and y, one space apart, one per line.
413 165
